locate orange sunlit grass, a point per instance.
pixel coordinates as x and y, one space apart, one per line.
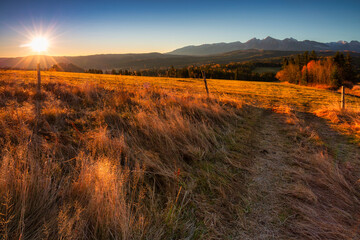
126 157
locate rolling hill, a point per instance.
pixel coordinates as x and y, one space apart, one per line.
148 60
126 157
140 61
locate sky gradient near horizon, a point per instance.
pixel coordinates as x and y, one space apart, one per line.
116 26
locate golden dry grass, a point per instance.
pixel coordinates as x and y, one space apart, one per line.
323 194
121 157
105 162
355 90
346 121
299 97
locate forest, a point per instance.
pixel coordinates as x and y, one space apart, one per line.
308 69
231 71
304 69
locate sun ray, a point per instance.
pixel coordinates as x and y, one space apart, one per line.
39 35
24 60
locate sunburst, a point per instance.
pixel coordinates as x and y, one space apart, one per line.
39 44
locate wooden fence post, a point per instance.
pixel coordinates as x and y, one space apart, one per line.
38 79
38 99
342 97
206 86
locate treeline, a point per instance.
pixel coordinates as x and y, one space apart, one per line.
95 71
308 69
231 71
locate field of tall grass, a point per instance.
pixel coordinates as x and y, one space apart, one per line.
121 157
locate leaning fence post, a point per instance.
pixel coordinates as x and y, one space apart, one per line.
206 86
343 97
38 78
38 98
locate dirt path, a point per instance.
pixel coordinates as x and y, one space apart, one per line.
261 218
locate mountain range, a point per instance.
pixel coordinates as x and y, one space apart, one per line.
269 43
219 53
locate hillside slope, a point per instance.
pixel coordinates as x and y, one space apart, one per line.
150 60
128 157
139 61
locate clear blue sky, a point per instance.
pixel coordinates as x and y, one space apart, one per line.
78 27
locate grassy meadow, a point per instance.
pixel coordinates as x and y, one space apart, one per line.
123 157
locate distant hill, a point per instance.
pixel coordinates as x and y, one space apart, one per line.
269 43
30 62
139 61
147 60
66 67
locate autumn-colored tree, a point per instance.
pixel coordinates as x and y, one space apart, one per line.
304 76
307 70
55 68
289 74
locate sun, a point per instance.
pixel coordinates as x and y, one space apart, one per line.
39 44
